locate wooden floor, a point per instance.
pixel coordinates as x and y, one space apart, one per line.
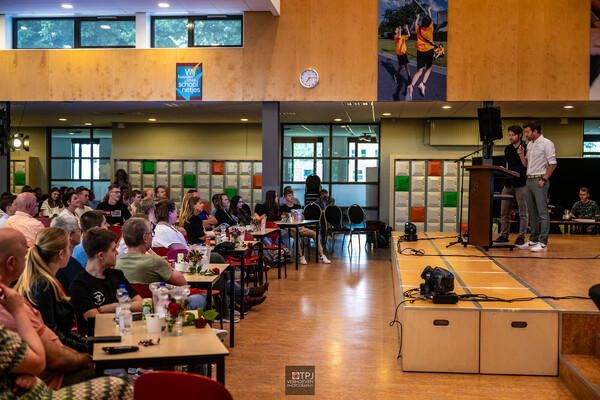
336 317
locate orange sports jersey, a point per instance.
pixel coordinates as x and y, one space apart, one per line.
400 44
427 33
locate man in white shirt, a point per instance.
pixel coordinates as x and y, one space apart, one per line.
84 195
23 220
541 163
71 202
7 205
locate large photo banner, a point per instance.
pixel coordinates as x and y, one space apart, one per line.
413 50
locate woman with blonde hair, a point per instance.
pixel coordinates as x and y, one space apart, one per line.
38 284
190 220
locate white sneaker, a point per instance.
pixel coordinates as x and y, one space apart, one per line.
236 313
539 247
221 333
527 245
228 321
409 93
323 259
303 260
421 89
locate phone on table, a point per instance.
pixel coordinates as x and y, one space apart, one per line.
120 349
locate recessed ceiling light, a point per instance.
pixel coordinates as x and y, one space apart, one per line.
337 119
62 119
152 119
163 5
568 107
446 107
69 6
105 26
88 124
244 119
386 114
71 133
342 126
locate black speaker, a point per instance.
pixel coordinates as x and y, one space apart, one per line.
490 124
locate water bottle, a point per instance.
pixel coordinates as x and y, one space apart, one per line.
125 317
162 299
120 292
223 235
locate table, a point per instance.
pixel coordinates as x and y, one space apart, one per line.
206 282
195 346
260 235
297 225
569 224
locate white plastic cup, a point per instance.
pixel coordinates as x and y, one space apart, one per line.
155 323
181 266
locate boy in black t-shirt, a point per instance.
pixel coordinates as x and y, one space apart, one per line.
94 290
115 211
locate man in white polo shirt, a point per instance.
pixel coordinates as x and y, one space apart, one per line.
541 163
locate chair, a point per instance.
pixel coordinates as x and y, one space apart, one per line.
335 226
161 251
45 221
172 254
178 385
356 219
117 230
143 290
274 238
312 188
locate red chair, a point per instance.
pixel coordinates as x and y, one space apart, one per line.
161 251
142 290
174 385
117 230
274 238
45 221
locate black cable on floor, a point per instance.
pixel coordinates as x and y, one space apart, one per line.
422 253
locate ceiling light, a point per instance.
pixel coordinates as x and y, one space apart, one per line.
24 28
62 119
105 26
152 119
446 107
386 114
337 119
244 119
19 142
342 126
163 5
71 133
88 124
69 6
568 107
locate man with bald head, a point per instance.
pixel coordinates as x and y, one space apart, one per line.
23 220
64 366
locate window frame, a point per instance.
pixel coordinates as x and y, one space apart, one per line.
77 32
190 28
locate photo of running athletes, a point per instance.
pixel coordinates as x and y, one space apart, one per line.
413 50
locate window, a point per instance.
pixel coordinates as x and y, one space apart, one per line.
68 33
197 31
591 138
346 158
81 157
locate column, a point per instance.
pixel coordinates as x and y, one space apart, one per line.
271 147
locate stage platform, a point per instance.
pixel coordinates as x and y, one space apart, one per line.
494 337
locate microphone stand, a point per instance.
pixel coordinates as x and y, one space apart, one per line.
461 162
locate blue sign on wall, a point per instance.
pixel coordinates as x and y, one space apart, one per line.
189 81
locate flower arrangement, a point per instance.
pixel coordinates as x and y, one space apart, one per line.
203 318
194 257
175 313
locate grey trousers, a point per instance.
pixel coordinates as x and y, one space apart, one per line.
520 194
537 205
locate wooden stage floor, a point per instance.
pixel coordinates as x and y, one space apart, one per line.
336 317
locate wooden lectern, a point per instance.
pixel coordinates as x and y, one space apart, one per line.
481 194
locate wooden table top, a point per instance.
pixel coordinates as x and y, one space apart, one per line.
193 342
298 223
197 278
264 232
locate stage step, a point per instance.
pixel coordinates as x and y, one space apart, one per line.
581 374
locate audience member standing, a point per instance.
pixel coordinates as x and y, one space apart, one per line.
23 220
541 163
121 179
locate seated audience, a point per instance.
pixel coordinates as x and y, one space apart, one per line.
125 195
115 211
270 207
238 213
287 207
71 203
134 205
149 193
215 200
52 206
94 290
64 366
70 225
39 195
89 220
147 206
223 215
189 219
585 208
92 202
7 205
282 199
141 268
161 192
84 196
324 199
165 234
39 285
22 358
208 220
23 220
